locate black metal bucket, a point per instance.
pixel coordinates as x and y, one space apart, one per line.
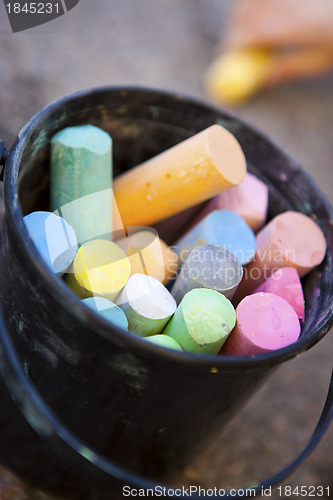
85 407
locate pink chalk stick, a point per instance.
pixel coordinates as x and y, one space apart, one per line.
291 239
265 323
286 283
249 200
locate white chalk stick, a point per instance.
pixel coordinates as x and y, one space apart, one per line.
147 304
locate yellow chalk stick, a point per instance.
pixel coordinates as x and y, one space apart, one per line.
100 268
234 76
148 254
190 172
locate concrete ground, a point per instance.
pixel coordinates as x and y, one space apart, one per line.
168 44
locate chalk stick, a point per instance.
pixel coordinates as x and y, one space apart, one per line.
108 310
202 322
190 172
81 180
54 239
208 266
164 341
249 200
148 305
100 268
265 323
148 254
286 283
291 239
223 228
234 76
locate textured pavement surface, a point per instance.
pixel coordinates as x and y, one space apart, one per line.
168 44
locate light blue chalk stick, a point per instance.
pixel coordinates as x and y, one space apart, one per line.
223 228
54 239
108 310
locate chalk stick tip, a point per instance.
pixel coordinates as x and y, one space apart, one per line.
227 154
84 136
108 310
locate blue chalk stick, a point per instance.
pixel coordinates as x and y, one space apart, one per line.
223 228
54 238
108 310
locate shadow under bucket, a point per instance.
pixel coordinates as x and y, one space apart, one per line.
86 407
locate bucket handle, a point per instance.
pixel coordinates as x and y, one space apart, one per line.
4 153
322 426
275 480
258 488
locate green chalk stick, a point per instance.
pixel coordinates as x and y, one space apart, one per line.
202 321
164 341
81 180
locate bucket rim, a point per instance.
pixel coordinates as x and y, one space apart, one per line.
72 303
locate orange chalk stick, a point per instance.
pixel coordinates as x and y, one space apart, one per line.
148 254
190 172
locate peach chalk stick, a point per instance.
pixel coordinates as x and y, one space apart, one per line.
249 200
265 323
148 254
286 283
291 239
190 172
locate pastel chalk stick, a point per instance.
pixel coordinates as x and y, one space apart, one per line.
223 228
286 283
237 74
108 310
291 239
190 172
164 341
100 268
148 254
265 323
208 266
249 200
148 305
202 321
81 180
54 239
